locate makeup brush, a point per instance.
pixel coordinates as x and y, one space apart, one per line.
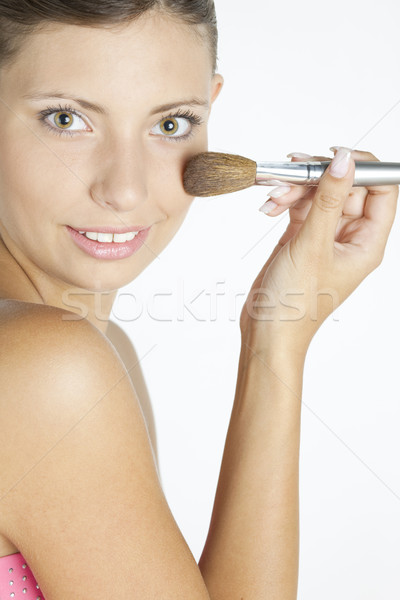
214 173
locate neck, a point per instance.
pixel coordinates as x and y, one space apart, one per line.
29 284
93 306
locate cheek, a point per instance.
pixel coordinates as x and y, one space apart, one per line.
166 176
168 194
34 179
21 183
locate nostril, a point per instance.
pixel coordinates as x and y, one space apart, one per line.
121 188
96 198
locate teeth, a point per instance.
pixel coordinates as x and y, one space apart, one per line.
118 238
105 237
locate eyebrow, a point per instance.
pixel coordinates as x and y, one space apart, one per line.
87 105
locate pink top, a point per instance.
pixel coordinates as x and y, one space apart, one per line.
17 580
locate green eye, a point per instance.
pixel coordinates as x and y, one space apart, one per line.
177 127
169 126
63 119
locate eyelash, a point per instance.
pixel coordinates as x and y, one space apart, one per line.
194 119
190 116
54 109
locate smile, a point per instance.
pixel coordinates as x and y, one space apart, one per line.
108 245
118 238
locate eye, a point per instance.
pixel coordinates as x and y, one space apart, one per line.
172 127
62 120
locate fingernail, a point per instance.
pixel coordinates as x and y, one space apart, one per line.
335 148
298 155
279 191
272 182
268 207
340 164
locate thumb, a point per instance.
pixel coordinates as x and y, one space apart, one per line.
327 206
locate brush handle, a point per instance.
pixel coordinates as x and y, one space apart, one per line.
367 173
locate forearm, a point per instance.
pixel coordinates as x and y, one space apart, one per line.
251 552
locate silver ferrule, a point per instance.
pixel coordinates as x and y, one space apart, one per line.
367 173
292 172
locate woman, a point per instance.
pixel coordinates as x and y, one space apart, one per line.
95 96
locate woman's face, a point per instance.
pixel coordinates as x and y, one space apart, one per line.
67 166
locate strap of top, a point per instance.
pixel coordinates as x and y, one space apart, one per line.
17 581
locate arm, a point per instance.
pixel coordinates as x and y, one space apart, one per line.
335 238
252 547
79 493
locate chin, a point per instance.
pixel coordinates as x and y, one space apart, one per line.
106 277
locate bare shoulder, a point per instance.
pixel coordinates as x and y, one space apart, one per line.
27 326
52 368
82 501
41 345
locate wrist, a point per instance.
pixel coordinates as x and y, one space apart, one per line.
271 341
273 373
276 355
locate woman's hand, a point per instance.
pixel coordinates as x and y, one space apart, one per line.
336 236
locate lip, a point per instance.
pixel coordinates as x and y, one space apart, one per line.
111 250
107 229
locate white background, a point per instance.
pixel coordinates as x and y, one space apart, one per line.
299 76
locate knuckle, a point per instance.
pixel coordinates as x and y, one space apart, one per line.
380 256
327 201
374 259
375 264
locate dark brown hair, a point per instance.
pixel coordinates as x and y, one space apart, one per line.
20 18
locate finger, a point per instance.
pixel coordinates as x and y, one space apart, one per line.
300 157
352 209
298 214
334 188
285 196
293 201
380 209
354 205
381 200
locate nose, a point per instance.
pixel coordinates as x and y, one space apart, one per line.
120 180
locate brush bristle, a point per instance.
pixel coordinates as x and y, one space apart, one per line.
214 173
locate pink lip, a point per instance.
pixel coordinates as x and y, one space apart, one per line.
112 250
106 229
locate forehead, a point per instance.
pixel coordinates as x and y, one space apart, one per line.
151 56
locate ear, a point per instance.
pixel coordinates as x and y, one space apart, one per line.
216 86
